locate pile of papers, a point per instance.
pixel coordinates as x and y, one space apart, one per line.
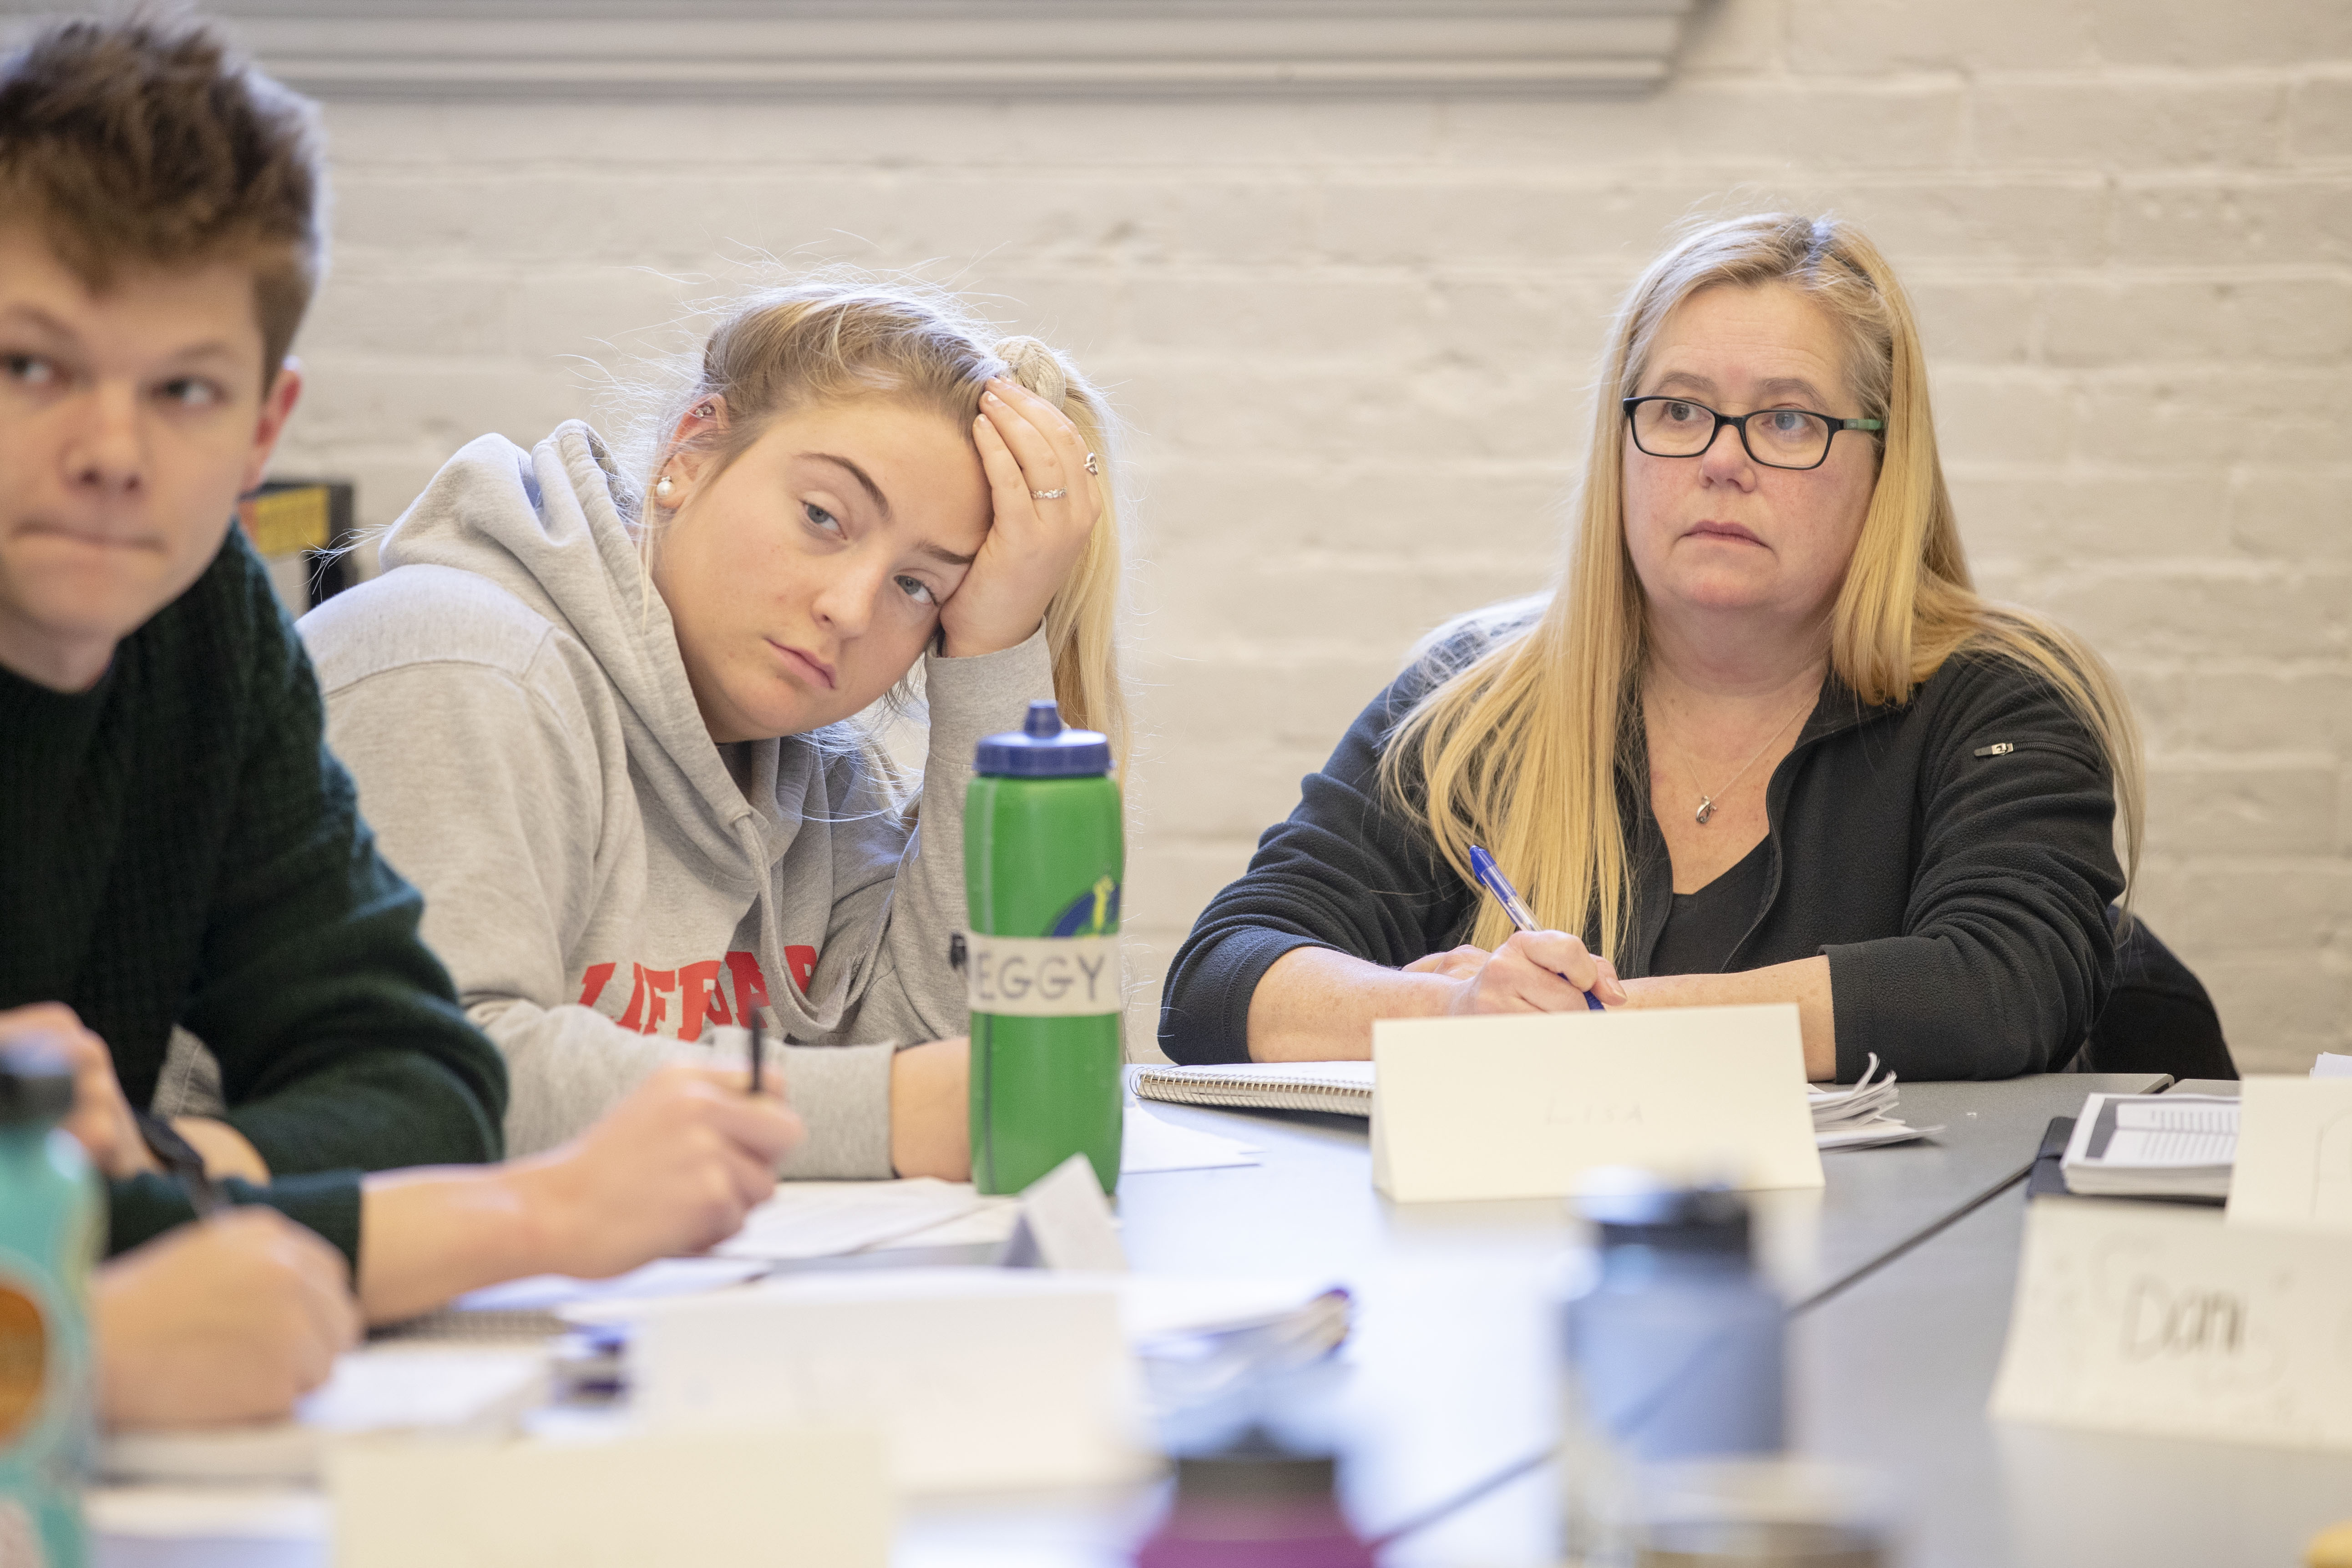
1855 1117
2152 1145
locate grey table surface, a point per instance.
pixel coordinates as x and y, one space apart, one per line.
1895 1373
1449 1375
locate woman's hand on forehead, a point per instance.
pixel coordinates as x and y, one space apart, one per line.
1046 507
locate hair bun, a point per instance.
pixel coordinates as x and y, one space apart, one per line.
1036 366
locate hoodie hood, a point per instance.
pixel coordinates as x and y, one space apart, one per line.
544 525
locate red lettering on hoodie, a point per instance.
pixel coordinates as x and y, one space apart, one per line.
701 987
701 996
592 984
637 998
750 988
659 984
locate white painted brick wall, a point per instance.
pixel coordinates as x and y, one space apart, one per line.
1355 338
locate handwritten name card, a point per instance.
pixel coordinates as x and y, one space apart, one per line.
2159 1319
1528 1105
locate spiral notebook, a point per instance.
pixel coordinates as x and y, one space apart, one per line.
1854 1116
1344 1089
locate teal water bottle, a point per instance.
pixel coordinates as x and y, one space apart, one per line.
49 1219
1044 856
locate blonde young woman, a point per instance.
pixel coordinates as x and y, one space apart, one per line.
600 717
1765 743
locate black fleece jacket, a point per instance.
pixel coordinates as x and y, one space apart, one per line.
178 846
1953 856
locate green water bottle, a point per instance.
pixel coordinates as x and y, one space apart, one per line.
1043 857
49 1220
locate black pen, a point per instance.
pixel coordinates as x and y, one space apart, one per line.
758 1050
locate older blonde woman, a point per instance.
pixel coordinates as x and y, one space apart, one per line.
1765 742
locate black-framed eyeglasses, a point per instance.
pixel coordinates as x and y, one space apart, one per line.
1785 437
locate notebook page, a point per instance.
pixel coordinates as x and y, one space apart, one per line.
1275 1075
2156 1133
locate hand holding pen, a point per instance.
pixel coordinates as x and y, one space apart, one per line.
1536 970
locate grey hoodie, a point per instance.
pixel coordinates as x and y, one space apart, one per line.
509 697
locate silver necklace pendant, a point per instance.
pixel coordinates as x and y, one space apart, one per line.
1706 808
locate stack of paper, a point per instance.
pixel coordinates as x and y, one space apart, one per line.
1855 1117
2152 1145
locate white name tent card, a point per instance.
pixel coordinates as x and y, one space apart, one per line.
799 1500
1066 1223
978 1377
2164 1321
1526 1105
2294 1154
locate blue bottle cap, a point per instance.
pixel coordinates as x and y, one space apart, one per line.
1043 748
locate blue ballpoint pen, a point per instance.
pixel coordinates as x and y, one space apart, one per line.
1482 867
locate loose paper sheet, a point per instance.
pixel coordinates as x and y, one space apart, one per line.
2164 1321
1874 1133
394 1387
826 1219
990 1224
1526 1105
811 1499
663 1276
2294 1154
1157 1305
1152 1145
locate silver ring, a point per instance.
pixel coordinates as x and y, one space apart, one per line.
1090 464
1047 495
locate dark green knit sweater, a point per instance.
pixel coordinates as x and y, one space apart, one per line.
178 846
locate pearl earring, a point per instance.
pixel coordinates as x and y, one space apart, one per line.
705 412
662 490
